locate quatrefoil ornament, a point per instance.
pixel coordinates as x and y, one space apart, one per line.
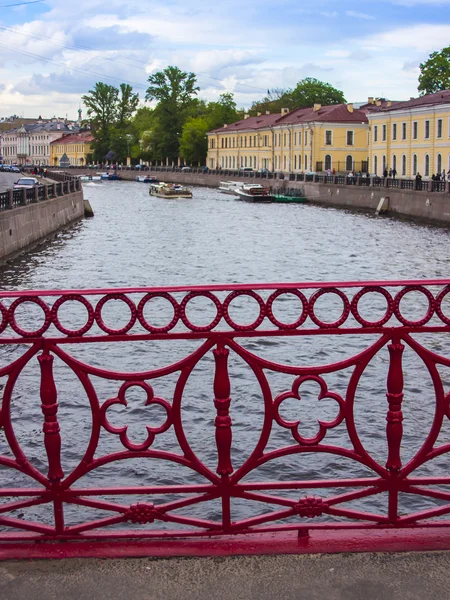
122 432
323 425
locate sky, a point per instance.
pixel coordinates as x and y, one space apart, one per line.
53 52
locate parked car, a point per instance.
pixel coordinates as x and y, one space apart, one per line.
26 182
14 169
139 167
186 169
249 169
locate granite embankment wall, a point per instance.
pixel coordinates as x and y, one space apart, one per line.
24 226
422 205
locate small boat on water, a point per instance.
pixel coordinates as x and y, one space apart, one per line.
229 187
90 178
288 199
110 176
169 191
254 194
146 179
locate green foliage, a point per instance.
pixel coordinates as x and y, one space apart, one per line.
273 102
311 91
435 72
194 143
109 111
174 90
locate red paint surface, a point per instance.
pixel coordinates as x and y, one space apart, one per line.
316 520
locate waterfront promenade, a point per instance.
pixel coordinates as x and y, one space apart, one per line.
414 576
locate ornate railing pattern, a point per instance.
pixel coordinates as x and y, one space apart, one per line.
285 498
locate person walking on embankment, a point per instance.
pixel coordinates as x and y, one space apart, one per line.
418 181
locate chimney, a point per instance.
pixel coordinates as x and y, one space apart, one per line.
411 98
225 125
378 102
388 103
350 108
58 126
258 114
284 111
267 112
370 100
246 116
317 107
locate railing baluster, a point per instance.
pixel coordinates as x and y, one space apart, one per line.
52 438
394 418
223 425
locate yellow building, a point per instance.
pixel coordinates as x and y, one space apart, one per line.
319 138
411 137
72 149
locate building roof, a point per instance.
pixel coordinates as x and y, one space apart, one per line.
45 126
84 137
427 100
259 122
336 113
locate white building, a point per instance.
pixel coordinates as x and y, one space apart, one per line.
29 144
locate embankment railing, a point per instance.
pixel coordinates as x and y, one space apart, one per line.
23 196
224 446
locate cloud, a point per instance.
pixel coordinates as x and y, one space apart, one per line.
423 38
359 15
338 53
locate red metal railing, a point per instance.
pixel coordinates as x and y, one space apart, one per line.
266 478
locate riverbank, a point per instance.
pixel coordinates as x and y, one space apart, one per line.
407 576
421 205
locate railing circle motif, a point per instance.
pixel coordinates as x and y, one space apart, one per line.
373 290
430 311
438 305
201 328
73 298
345 310
275 321
143 321
257 322
102 324
4 322
33 300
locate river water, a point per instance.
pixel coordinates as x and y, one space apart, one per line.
137 240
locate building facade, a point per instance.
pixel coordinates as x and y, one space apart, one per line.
29 144
411 137
72 149
319 138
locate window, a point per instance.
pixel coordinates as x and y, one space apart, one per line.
328 138
306 138
349 160
394 164
245 161
394 131
384 163
349 138
245 142
439 163
403 165
427 165
375 133
439 128
254 162
284 161
250 141
295 138
427 130
403 131
414 164
414 135
384 133
306 163
327 162
284 139
299 161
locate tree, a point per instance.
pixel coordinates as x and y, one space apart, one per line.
310 91
101 104
223 111
174 91
127 104
435 72
274 101
194 143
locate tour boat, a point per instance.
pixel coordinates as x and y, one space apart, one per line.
229 187
254 194
146 179
169 190
110 176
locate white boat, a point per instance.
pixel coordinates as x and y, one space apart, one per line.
146 179
254 194
229 187
169 190
90 178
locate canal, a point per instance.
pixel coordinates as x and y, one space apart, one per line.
137 240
